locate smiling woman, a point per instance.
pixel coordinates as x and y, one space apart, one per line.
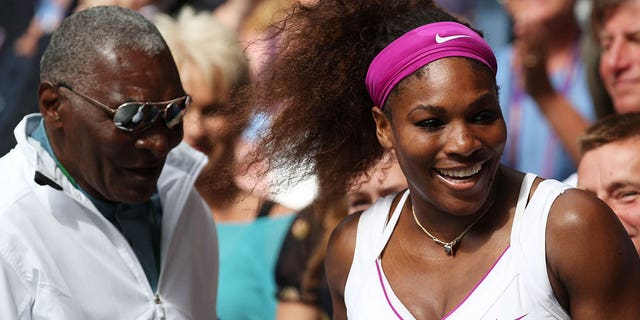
370 77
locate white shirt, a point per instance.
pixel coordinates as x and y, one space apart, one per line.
61 259
516 286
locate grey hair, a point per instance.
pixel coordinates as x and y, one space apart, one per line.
83 36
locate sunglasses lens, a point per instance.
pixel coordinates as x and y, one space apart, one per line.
134 116
175 112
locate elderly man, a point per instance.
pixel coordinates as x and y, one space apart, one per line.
100 219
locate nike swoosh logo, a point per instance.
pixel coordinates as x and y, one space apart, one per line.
440 39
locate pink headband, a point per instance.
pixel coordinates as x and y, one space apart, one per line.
421 46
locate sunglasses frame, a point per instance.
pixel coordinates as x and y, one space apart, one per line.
113 112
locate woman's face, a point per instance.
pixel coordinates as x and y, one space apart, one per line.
207 126
448 134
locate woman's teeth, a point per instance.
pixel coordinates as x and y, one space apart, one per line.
460 173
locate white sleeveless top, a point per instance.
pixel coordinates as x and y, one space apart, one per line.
516 287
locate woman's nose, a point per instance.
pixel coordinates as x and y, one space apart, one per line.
461 140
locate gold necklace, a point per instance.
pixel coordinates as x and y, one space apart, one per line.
449 247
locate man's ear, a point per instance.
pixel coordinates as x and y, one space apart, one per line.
383 128
49 100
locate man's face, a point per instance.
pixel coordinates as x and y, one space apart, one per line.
619 40
538 11
612 172
107 162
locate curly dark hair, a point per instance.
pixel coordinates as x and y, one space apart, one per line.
316 81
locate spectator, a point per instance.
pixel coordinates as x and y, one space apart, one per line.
100 219
610 167
386 178
20 58
250 227
303 292
615 24
544 94
303 289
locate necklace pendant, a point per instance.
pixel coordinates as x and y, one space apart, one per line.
448 248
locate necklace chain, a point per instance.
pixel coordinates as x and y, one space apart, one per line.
449 247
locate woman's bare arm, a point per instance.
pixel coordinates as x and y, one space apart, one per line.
593 266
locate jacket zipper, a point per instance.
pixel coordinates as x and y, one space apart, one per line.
159 307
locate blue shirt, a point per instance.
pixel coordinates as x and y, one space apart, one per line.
532 144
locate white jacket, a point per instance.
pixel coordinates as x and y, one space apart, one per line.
61 259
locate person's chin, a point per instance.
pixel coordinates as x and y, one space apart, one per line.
136 196
142 177
137 189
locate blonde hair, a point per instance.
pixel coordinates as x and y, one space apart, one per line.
266 13
199 39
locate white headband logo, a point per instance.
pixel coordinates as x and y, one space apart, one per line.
440 39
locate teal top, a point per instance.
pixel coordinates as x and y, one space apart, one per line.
139 224
248 256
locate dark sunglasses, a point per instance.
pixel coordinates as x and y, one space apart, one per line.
137 116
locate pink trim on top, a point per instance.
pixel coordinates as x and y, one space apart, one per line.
477 284
386 296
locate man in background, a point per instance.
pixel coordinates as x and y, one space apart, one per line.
610 167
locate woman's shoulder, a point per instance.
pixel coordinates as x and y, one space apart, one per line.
587 251
568 206
345 231
343 237
578 220
575 208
